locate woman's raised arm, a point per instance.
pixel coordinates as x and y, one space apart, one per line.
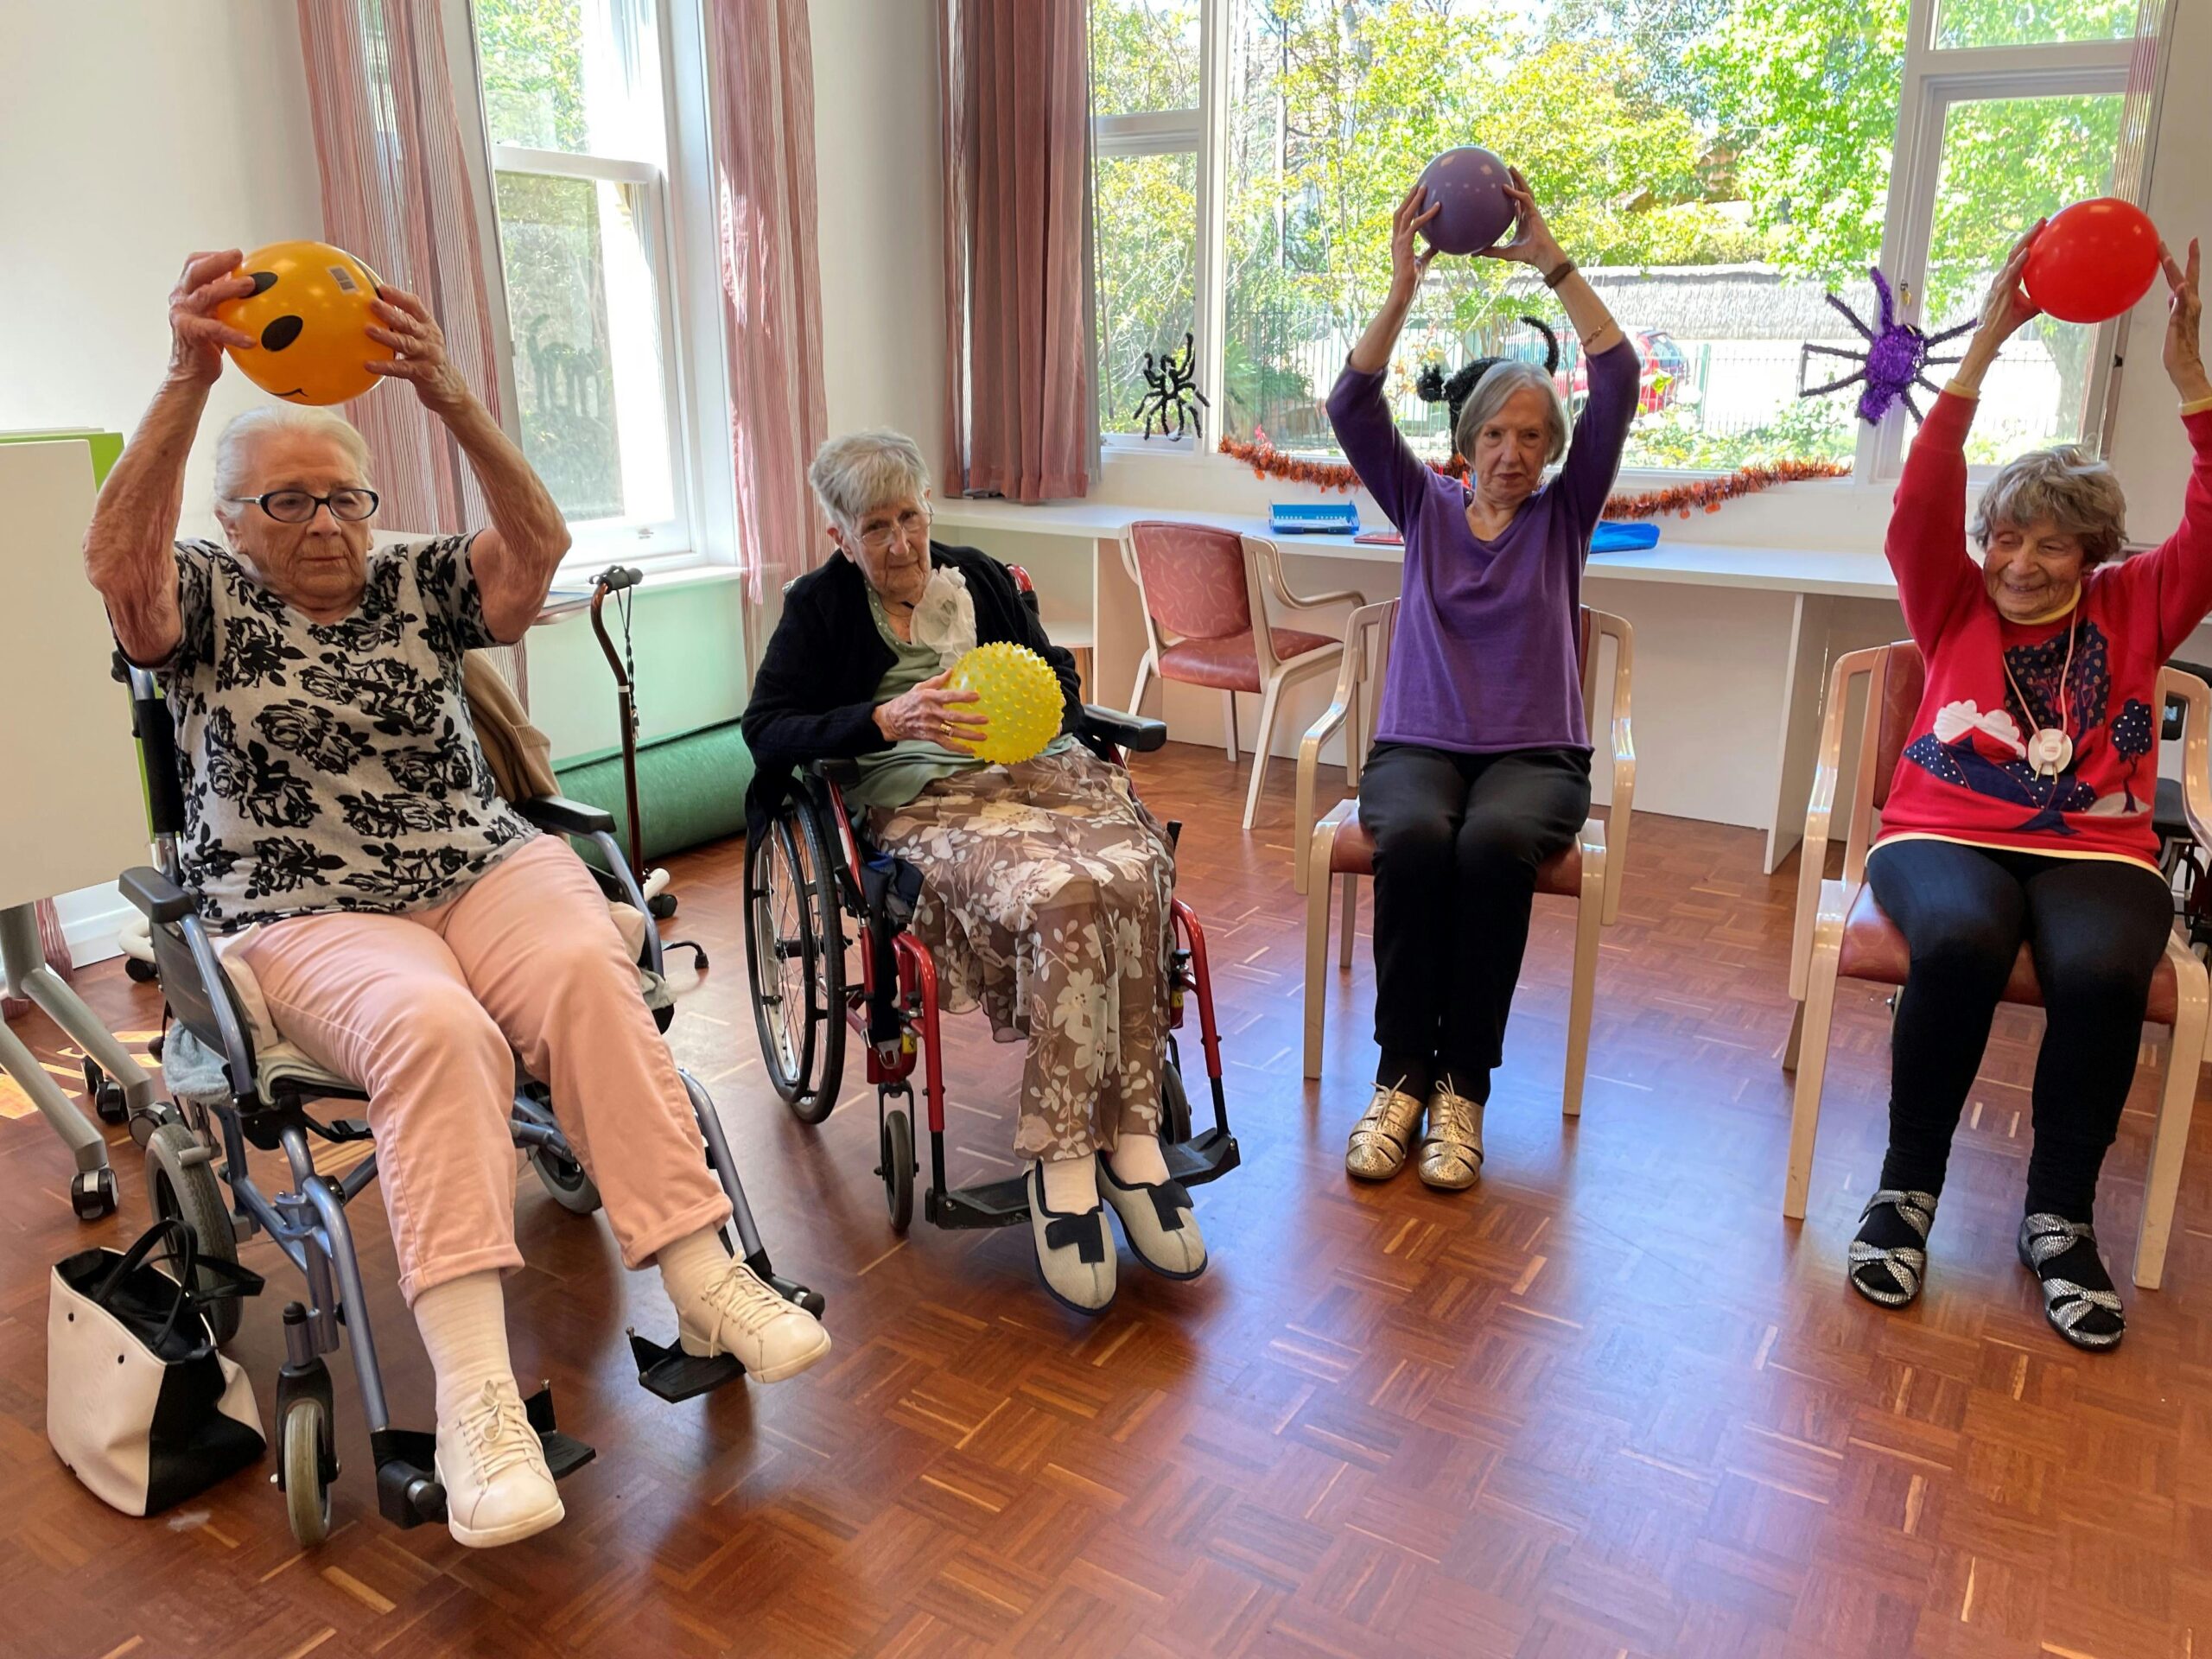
127 547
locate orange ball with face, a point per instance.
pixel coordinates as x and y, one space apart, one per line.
310 312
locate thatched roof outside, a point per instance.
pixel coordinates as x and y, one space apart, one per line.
1724 302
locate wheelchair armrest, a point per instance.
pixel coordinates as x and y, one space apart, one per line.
160 899
558 812
1133 732
840 772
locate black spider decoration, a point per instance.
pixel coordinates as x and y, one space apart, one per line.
1170 386
1891 364
1453 392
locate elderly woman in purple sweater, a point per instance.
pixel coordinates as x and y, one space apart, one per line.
1481 767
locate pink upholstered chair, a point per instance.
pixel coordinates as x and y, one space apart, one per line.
1206 621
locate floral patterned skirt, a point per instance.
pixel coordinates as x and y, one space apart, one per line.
1045 899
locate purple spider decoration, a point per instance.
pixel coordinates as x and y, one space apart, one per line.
1891 364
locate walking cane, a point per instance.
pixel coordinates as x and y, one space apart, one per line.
619 581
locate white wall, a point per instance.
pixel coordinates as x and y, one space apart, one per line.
2148 450
132 134
878 169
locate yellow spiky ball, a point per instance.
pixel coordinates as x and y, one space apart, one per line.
1018 695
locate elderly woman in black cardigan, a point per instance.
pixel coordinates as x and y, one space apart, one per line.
1046 886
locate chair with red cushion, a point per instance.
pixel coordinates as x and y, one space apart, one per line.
1589 872
1206 622
1841 932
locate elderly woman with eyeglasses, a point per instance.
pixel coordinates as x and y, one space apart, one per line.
1046 886
1481 766
407 928
2021 810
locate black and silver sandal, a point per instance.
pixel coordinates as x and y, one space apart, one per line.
2088 1316
1890 1276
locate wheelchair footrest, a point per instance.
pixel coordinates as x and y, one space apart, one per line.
564 1453
675 1376
791 1290
408 1492
987 1203
1202 1157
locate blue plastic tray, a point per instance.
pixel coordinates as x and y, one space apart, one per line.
1614 537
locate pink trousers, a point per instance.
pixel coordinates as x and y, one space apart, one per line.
427 1010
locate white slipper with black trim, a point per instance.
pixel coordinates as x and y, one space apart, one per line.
1075 1253
1156 1219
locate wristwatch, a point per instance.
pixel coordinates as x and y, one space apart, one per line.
1554 278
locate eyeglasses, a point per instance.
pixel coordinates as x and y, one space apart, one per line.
915 521
296 507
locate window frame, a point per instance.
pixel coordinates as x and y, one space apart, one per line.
701 527
1197 131
1934 78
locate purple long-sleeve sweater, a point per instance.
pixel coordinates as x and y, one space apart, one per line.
1483 658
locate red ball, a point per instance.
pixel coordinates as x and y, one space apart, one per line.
2092 261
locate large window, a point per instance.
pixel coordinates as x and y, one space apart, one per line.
1145 93
1717 167
574 107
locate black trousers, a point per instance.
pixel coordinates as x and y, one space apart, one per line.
2096 927
1457 842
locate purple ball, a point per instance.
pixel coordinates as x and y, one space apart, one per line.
1469 183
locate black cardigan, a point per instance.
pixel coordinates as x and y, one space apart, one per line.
814 698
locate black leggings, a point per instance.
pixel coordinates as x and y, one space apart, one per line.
1457 842
2097 928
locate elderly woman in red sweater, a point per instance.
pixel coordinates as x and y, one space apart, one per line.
2021 809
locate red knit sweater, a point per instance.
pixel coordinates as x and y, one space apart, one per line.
1964 776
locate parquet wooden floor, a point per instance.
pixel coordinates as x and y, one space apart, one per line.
1608 1404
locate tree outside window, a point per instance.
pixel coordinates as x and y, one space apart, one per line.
1716 166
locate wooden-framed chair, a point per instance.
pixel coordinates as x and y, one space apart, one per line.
1206 621
1589 872
1841 934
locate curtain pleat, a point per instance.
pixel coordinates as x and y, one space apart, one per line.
1015 76
396 193
762 87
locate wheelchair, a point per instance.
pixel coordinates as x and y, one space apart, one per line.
235 1087
819 899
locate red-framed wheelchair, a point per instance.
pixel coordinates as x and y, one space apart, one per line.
828 953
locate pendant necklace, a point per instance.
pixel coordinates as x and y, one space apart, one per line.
2050 750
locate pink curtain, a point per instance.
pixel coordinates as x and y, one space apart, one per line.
761 82
1016 81
396 193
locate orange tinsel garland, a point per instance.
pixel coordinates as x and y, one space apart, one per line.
1266 461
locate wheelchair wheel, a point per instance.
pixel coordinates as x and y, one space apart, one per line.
564 1179
181 1182
794 951
305 1434
898 1150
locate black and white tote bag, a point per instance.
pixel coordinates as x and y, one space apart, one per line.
139 1403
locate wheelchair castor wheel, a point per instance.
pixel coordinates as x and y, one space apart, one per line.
92 1193
304 1450
897 1170
139 973
105 1094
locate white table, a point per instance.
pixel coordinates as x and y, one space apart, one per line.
1783 615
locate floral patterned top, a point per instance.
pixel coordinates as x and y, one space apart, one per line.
330 766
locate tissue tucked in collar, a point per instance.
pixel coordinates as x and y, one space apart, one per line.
945 619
